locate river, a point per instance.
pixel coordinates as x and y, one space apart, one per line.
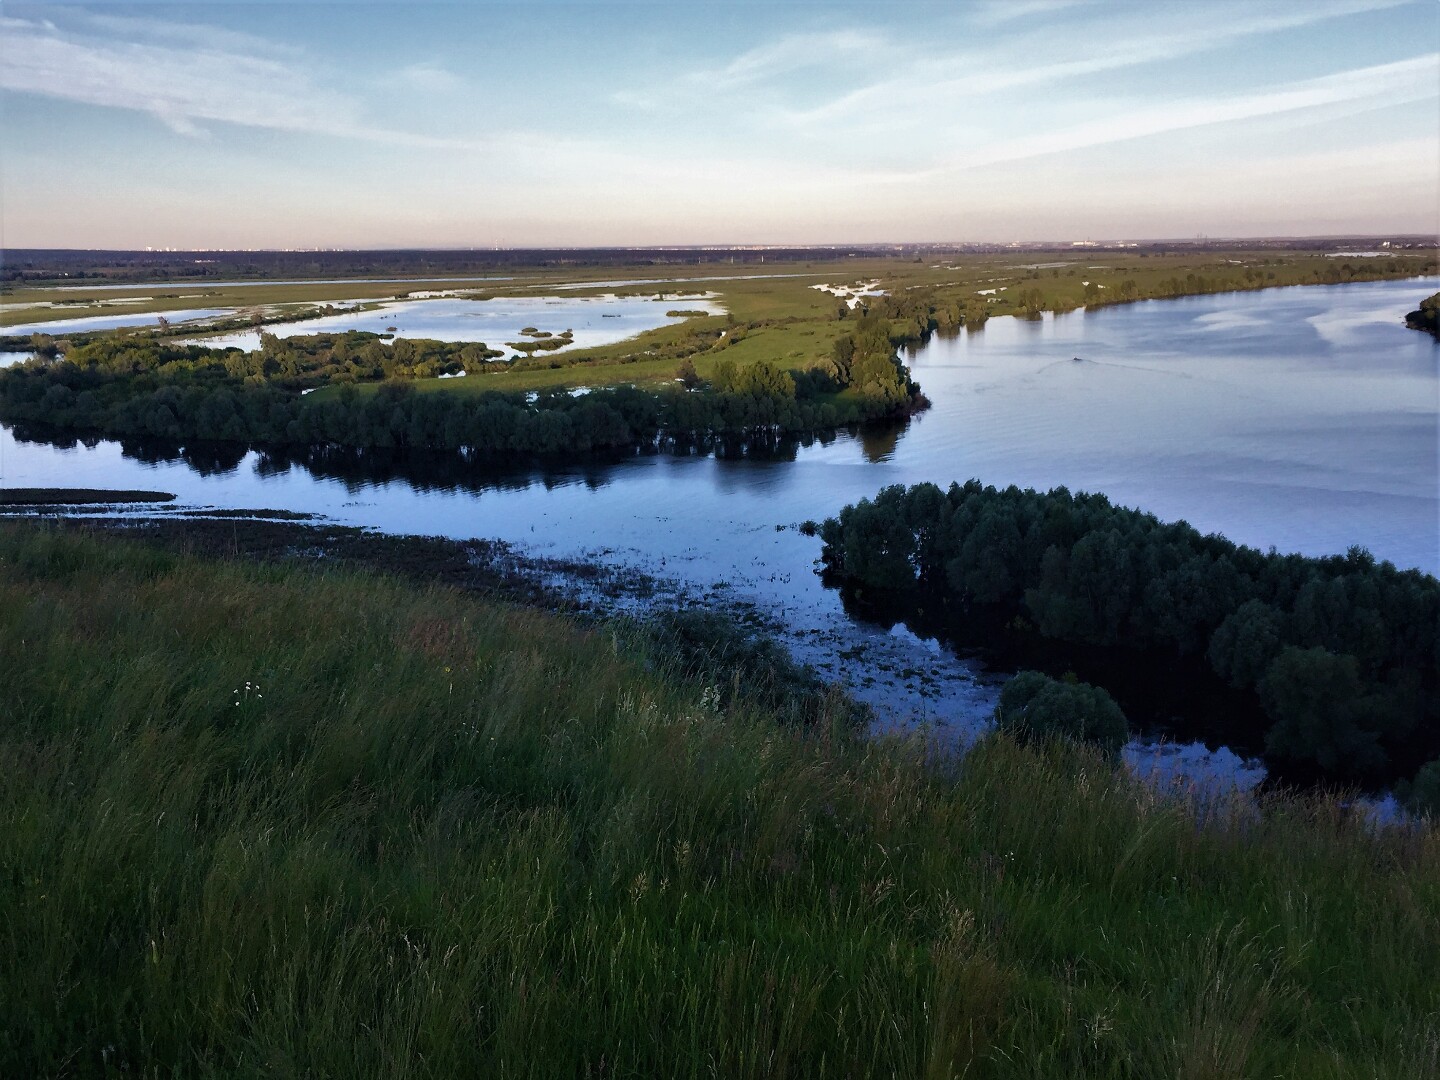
1301 418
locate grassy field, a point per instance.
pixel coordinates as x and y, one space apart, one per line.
261 820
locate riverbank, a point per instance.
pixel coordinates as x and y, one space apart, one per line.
491 569
259 814
78 496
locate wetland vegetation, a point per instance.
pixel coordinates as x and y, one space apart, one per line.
118 387
781 359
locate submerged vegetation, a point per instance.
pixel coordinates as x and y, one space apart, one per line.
1341 654
262 819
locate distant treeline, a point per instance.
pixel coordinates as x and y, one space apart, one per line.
123 386
917 312
24 265
35 265
1342 653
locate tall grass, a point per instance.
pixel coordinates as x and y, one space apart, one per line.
434 837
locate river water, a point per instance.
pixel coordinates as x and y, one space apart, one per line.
88 323
591 320
1300 418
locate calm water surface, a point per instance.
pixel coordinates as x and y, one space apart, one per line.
595 320
113 322
1300 418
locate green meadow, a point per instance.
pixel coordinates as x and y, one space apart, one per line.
264 819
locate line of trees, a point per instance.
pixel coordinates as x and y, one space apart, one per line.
124 387
915 312
1341 654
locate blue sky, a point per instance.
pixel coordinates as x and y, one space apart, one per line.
384 124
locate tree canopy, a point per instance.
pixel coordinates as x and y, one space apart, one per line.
1341 653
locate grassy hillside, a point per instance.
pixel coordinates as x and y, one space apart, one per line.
261 820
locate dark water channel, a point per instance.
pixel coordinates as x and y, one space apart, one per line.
1299 418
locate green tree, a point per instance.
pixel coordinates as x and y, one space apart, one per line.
1035 706
1315 699
1246 643
1422 795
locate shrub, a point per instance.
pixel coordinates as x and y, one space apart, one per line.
1034 706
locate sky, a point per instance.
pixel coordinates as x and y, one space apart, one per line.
356 125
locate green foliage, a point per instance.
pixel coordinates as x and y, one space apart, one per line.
1317 702
261 820
1034 706
874 369
758 380
126 386
687 375
1421 796
1427 316
878 544
1342 653
1244 645
255 411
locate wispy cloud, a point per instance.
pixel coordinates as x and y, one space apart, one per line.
428 78
997 12
934 81
794 52
202 77
1416 79
193 35
759 68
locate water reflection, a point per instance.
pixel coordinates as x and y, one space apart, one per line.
359 468
878 441
588 321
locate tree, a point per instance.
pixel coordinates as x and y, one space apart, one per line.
1244 645
1034 706
1422 795
878 546
686 373
1316 701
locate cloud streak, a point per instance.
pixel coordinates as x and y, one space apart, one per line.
202 80
790 53
1401 82
934 82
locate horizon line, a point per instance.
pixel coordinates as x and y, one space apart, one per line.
751 246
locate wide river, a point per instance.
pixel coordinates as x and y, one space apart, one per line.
1300 418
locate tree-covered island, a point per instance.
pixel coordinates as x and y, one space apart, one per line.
1331 666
